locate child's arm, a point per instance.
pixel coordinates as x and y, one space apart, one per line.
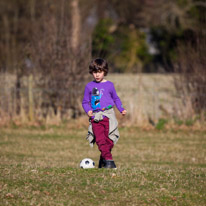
86 102
117 101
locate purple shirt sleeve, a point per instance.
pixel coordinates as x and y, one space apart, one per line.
86 101
116 99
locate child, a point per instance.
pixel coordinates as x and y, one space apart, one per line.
99 98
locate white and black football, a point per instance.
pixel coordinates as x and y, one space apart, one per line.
87 163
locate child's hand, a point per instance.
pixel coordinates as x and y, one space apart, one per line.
124 112
90 113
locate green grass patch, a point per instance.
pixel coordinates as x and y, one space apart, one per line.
41 167
161 124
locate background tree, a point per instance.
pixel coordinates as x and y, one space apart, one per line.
45 39
52 41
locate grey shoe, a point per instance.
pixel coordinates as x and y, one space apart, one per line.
110 164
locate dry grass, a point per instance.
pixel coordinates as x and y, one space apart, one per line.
147 96
40 166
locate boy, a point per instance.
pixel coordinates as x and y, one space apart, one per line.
99 98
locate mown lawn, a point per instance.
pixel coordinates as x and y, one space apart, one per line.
40 166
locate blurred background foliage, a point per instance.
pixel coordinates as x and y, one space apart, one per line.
51 42
142 36
135 36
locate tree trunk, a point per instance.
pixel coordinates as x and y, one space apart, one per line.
75 42
18 95
30 95
76 25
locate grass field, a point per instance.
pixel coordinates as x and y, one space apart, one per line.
40 166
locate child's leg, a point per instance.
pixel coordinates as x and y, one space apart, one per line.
101 132
110 143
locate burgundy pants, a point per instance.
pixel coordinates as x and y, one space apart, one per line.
101 132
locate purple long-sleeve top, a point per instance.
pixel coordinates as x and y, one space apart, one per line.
100 96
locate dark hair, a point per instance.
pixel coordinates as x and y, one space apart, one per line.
98 65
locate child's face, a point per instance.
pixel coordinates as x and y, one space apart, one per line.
98 76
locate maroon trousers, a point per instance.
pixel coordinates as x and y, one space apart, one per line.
101 132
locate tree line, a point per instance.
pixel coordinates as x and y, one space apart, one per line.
52 42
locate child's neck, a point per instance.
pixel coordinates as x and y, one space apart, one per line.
103 80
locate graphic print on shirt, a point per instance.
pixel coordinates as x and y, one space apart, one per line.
96 96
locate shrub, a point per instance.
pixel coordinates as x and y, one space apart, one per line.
161 124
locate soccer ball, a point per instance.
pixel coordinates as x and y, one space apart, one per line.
87 163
